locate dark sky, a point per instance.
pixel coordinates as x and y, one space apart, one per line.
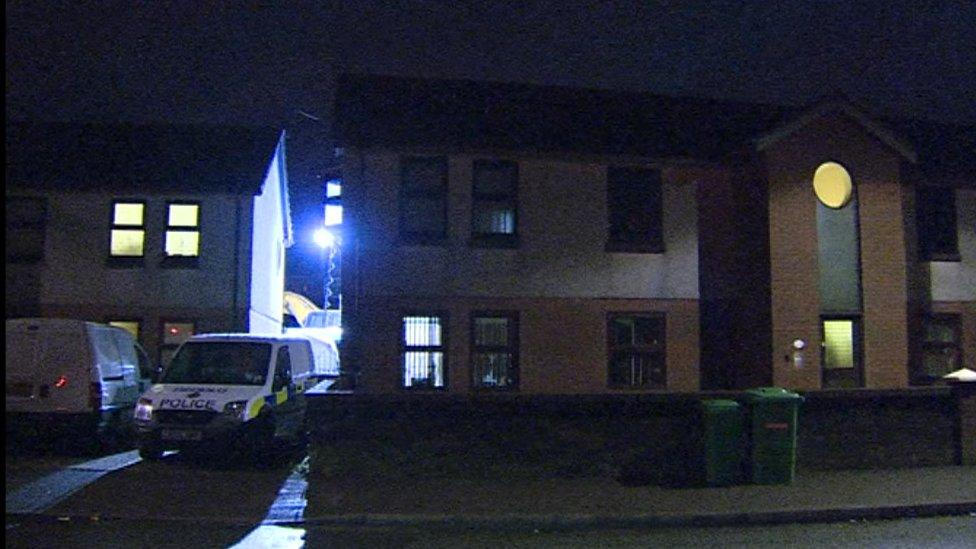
263 62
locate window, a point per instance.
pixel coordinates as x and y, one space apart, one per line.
494 350
26 224
131 326
634 208
182 230
636 351
494 203
423 352
333 203
282 373
941 348
128 236
174 334
937 239
423 200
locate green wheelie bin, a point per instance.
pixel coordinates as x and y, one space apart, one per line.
773 414
724 441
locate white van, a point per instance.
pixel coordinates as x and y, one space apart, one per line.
235 391
71 377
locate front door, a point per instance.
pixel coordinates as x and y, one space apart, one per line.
841 354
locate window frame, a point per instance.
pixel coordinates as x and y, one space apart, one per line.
127 261
620 206
510 199
404 349
440 195
660 349
182 261
31 226
954 322
512 348
926 213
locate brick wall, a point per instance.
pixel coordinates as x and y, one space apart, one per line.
562 342
875 170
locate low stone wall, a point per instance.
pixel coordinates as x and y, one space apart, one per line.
634 438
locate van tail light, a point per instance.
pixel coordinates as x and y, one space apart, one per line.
95 396
61 382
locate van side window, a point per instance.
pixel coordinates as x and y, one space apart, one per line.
282 375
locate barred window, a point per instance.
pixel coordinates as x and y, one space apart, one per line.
423 352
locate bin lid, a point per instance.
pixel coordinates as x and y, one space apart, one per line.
719 404
771 393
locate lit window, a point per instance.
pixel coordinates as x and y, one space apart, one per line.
636 351
423 352
128 229
635 210
25 228
183 230
131 326
423 200
494 203
494 351
174 334
832 185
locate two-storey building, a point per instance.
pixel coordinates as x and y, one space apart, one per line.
165 230
504 237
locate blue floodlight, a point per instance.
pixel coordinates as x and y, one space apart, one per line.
324 238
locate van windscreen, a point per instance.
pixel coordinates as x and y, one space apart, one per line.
220 363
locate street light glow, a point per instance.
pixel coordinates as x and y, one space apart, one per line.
324 238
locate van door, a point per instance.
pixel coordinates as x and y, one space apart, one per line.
290 403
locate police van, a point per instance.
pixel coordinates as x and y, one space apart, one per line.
239 391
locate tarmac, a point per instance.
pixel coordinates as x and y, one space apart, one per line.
554 504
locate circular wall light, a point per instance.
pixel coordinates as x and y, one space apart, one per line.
833 186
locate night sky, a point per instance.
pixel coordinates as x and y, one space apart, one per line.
267 63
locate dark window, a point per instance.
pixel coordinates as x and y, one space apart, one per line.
423 200
175 332
941 348
26 225
937 238
422 353
494 203
634 208
494 350
636 351
282 373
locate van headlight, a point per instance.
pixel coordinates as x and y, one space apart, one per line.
144 409
236 409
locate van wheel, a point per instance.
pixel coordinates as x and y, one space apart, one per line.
150 452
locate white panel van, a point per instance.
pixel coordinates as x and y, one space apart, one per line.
71 377
227 391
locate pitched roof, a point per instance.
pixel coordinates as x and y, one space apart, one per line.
139 158
392 111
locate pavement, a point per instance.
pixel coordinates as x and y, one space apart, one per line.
814 496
